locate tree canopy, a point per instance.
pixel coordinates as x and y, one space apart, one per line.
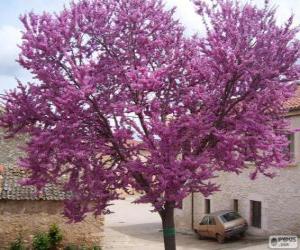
122 99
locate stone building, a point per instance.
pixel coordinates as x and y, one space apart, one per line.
23 212
271 206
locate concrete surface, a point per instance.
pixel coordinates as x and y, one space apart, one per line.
134 227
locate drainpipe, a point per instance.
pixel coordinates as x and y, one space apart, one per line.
2 169
192 216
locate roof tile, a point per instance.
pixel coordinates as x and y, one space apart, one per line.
10 189
294 103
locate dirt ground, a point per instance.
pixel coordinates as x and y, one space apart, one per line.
134 227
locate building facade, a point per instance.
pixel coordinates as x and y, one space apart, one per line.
24 213
271 206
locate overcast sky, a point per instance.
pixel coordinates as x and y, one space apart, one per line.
10 28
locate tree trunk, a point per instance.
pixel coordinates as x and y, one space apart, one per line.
167 216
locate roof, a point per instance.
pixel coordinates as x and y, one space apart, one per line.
10 189
294 103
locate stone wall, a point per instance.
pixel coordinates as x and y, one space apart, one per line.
26 218
279 197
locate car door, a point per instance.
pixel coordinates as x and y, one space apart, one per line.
211 227
203 226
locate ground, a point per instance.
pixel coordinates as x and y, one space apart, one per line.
134 227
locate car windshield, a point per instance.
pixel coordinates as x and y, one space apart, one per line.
230 216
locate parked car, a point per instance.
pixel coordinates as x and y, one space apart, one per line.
221 225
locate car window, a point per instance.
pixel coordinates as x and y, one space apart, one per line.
230 216
204 221
212 220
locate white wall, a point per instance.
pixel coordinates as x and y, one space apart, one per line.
280 197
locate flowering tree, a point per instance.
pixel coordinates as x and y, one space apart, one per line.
122 100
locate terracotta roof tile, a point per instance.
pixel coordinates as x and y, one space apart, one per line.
294 102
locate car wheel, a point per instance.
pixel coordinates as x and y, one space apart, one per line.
200 237
220 238
242 235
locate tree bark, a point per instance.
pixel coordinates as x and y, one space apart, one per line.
167 216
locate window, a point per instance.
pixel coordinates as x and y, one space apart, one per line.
212 220
207 206
291 147
180 204
230 216
205 221
235 205
290 150
256 213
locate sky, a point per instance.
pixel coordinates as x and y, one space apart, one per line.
10 28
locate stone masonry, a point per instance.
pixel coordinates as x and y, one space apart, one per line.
26 218
279 197
23 213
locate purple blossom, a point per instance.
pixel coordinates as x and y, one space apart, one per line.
121 99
